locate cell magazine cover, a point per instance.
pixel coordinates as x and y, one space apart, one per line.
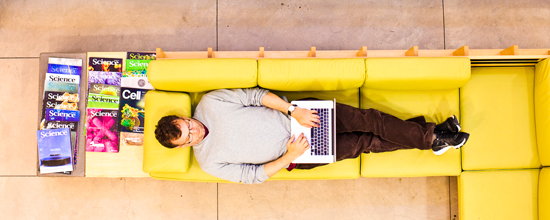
132 110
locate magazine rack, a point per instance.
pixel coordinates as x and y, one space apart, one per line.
79 169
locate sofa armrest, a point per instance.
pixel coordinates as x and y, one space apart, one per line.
157 158
542 110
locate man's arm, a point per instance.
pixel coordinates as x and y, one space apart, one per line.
253 173
306 118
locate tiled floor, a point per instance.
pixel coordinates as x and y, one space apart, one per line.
28 28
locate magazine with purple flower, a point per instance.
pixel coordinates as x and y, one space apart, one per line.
109 78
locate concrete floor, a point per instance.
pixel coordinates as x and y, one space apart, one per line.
28 28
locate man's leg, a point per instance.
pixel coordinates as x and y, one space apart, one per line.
352 144
415 133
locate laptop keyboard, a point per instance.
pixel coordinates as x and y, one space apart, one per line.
320 136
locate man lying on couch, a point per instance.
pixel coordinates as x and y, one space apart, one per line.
243 135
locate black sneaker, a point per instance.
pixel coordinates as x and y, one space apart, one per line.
444 142
451 125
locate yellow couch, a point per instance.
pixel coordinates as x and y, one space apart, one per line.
405 87
507 110
503 169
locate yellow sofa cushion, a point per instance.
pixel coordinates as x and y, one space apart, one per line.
311 74
348 97
346 169
542 110
502 194
497 110
544 194
199 75
417 73
157 158
436 106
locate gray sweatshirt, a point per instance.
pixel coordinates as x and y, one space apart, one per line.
244 135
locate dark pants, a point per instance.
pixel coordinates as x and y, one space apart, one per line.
369 130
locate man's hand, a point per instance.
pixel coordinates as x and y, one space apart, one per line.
306 118
295 148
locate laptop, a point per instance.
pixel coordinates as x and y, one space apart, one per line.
322 140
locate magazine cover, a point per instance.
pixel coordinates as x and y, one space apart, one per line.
101 130
54 150
110 78
65 61
59 100
64 69
55 77
61 96
61 87
72 125
137 64
132 110
47 104
131 139
62 115
141 56
60 105
136 82
103 101
132 116
105 64
104 89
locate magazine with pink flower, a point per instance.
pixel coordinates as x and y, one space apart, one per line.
101 130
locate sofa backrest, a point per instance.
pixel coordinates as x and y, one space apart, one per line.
417 73
199 75
542 110
311 74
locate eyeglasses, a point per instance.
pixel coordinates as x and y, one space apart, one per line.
188 122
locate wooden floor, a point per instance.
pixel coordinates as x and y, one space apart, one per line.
28 28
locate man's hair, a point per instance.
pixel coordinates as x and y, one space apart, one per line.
167 130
